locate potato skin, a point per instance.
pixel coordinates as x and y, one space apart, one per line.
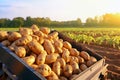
29 60
20 52
67 45
53 76
75 67
74 52
34 28
48 46
45 30
51 58
44 70
41 58
25 31
56 68
14 36
6 43
65 55
83 67
68 70
3 35
35 47
62 62
85 55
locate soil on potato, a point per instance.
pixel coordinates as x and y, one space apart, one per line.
112 57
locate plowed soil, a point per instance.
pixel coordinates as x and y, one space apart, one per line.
112 57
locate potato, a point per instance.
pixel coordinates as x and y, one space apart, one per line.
58 43
14 36
41 58
35 47
34 28
48 46
83 67
74 52
72 77
34 66
29 59
63 78
20 52
65 55
81 60
58 46
35 37
73 58
85 55
6 43
62 62
23 40
52 76
67 45
39 33
68 70
25 31
44 70
3 35
45 30
56 68
41 40
75 67
91 61
53 35
51 58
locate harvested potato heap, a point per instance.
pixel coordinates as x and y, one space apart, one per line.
52 57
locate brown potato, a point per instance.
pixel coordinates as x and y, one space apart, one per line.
25 31
35 37
63 78
34 28
35 47
34 66
85 55
68 70
81 60
62 62
3 35
51 58
52 76
48 46
41 58
75 67
83 67
73 58
6 43
39 33
53 35
20 52
23 40
14 36
44 70
56 68
73 77
65 55
67 45
91 61
41 40
74 52
58 43
45 30
29 59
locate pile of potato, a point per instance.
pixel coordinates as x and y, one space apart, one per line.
42 50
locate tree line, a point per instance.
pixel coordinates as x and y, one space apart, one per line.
108 19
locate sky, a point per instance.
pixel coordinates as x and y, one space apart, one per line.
60 10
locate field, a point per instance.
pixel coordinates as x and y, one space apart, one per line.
104 41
